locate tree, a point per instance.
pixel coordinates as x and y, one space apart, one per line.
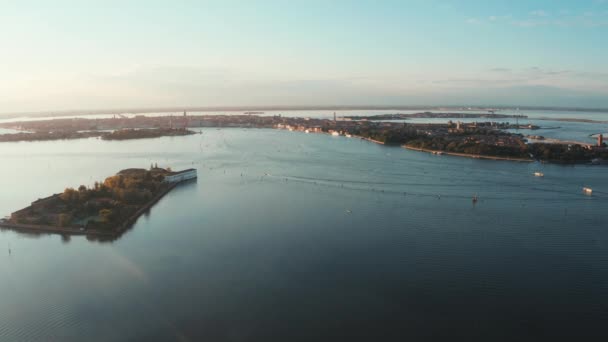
114 182
64 219
106 215
69 195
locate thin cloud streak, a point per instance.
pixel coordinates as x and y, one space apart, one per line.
538 18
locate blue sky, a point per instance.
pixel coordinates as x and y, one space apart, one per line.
59 55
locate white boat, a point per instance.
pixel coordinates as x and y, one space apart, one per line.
539 174
349 136
306 131
587 191
335 134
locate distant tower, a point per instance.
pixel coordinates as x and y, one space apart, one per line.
600 140
334 116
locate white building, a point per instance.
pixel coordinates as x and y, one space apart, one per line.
180 176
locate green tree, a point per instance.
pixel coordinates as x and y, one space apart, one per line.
69 195
64 219
106 215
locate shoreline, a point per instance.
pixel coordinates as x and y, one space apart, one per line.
341 136
369 139
467 155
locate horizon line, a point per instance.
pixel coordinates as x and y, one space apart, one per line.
139 110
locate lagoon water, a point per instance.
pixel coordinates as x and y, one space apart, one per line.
305 237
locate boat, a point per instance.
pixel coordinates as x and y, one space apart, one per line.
475 198
349 136
307 131
335 134
587 191
539 174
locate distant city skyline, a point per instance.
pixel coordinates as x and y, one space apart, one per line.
68 55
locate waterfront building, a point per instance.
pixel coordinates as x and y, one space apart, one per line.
181 176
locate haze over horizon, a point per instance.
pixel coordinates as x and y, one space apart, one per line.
69 55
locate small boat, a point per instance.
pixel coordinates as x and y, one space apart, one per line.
349 136
475 198
307 131
539 174
587 191
335 134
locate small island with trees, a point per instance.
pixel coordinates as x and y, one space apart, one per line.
118 134
106 209
132 133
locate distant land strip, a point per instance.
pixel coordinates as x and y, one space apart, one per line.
572 120
137 110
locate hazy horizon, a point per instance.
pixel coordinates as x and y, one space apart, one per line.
73 56
296 108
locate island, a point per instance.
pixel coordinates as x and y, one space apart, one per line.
118 134
132 133
104 210
487 139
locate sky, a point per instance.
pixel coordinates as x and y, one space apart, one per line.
69 55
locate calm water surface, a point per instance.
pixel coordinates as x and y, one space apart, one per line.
291 236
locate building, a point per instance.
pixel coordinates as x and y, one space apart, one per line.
600 140
175 177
